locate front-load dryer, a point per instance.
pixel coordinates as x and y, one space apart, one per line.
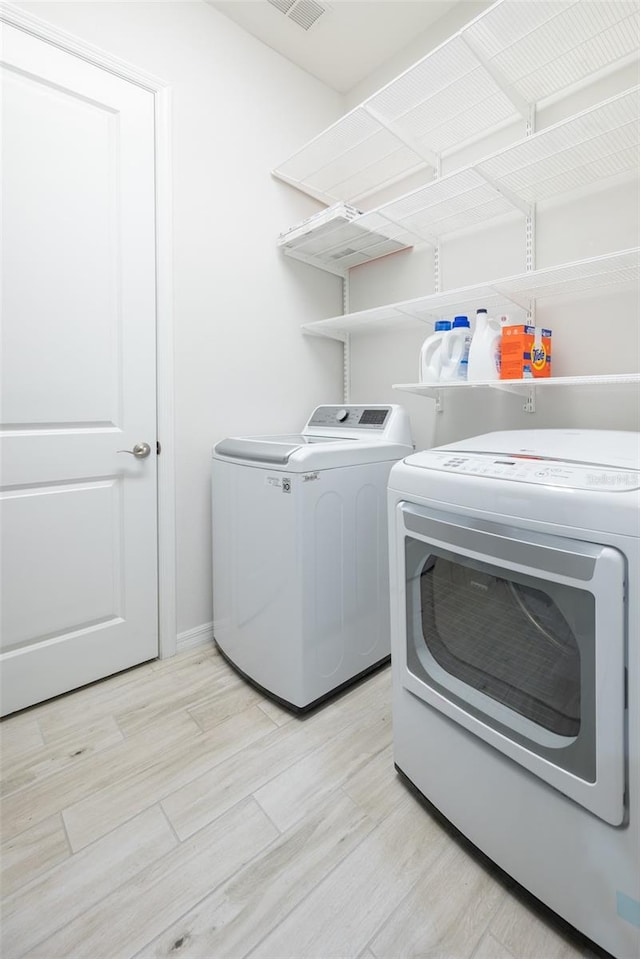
515 625
300 551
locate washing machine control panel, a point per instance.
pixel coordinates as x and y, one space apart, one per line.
350 417
531 470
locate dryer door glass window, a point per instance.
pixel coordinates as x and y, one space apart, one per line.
509 640
514 650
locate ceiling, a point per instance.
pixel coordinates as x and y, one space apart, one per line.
340 41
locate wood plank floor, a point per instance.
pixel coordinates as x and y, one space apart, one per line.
172 811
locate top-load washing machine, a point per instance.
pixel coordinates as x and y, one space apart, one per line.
515 624
300 550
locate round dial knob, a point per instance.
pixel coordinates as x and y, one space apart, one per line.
342 415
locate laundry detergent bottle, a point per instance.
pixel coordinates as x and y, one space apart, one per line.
484 352
454 355
430 353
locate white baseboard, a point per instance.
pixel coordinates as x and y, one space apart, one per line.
197 636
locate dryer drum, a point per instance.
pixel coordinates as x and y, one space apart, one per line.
505 639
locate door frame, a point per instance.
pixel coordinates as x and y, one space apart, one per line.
165 462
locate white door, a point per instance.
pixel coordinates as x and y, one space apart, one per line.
79 524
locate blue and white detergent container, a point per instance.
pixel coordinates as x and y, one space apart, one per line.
454 356
484 352
430 354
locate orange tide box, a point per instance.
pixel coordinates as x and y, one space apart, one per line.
525 353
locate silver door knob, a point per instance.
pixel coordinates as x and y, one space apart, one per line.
140 451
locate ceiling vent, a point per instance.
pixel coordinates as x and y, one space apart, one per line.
303 12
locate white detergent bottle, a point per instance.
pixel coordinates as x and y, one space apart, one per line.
430 352
454 355
484 352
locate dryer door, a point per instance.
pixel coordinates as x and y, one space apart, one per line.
520 637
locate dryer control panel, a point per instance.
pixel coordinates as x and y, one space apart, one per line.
522 469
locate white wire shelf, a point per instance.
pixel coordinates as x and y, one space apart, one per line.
584 151
338 244
521 387
517 54
513 295
425 309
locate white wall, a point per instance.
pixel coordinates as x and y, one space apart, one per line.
241 363
595 335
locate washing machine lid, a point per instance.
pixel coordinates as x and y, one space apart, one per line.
268 449
305 453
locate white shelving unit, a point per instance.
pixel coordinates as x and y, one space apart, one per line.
499 69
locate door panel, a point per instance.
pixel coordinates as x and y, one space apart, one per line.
79 544
66 228
71 594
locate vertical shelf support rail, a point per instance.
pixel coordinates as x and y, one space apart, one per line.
436 247
530 253
530 238
346 368
437 284
346 345
531 215
529 405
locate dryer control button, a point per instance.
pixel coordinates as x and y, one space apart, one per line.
342 415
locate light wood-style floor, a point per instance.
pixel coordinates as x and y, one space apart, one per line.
174 811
